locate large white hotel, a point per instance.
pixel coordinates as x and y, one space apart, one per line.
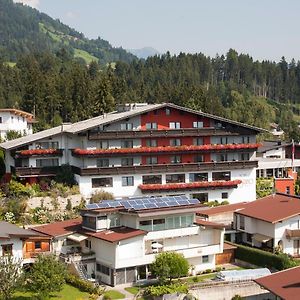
141 149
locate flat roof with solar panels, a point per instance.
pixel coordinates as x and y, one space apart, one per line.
144 204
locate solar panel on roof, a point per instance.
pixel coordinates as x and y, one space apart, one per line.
91 206
194 201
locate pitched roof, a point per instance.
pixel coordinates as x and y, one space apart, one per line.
8 230
17 112
222 209
270 145
273 208
59 228
109 118
284 284
116 234
215 225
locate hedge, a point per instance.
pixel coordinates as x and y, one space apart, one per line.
263 258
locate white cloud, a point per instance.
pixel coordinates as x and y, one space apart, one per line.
32 3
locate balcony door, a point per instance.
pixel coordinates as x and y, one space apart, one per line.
296 247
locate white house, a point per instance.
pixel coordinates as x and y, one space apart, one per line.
124 237
15 120
160 149
270 222
22 244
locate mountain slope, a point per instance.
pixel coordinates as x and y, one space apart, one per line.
24 30
144 52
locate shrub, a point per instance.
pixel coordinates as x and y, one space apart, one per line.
17 189
101 195
160 290
65 175
236 297
264 259
69 205
196 279
84 286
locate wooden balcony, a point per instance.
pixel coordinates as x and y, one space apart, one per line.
166 168
34 171
207 131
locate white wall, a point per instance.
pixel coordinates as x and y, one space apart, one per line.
17 248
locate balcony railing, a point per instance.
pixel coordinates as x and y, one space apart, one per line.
207 131
34 254
162 149
166 168
38 153
146 188
34 171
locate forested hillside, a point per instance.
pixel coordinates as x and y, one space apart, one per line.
25 30
58 88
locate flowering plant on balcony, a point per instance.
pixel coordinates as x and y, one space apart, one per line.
39 152
190 185
162 149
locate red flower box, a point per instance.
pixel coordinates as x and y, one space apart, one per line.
191 185
82 152
39 152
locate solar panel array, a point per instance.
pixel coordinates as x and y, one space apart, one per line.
145 203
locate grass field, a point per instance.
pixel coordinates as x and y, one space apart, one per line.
68 293
133 290
85 55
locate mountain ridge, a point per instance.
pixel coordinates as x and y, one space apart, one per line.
24 30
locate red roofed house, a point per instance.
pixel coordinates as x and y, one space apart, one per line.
283 285
116 241
270 222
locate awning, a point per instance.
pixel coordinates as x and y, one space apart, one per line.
76 237
261 238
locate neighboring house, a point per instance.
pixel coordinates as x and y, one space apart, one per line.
223 214
159 149
271 222
118 240
282 285
23 244
15 120
276 130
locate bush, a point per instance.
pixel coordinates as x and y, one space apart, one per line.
17 189
65 175
160 290
83 285
264 259
69 205
101 195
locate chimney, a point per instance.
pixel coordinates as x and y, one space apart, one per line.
65 126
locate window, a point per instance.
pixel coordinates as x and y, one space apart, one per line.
175 178
127 181
221 176
7 250
168 111
151 143
249 237
127 144
0 119
37 245
104 145
175 142
196 177
150 126
127 161
205 259
202 197
146 225
159 224
47 162
246 139
46 145
198 158
126 126
115 221
152 179
221 157
89 222
102 162
244 156
102 182
174 125
102 269
198 141
88 244
198 124
175 159
242 222
223 140
224 195
288 190
151 160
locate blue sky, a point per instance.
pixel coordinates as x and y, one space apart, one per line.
263 28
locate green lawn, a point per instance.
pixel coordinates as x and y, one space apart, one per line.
112 294
68 293
85 55
133 290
